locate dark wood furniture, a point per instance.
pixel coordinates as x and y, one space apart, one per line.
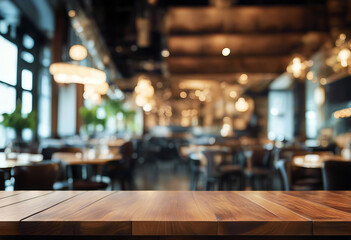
164 215
41 176
336 175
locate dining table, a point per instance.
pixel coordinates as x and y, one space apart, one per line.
86 158
11 160
175 215
315 160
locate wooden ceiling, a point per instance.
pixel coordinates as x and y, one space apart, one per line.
261 34
262 39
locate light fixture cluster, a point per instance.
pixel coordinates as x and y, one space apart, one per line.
298 67
340 57
343 113
94 80
144 92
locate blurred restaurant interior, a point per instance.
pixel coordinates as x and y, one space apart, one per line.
175 95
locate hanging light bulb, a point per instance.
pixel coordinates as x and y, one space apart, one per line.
225 52
343 56
241 105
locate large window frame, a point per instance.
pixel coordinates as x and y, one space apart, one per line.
15 36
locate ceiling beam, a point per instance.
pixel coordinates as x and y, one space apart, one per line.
246 19
213 65
242 44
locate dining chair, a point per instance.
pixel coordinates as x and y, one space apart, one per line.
122 170
2 180
35 177
222 171
261 172
292 179
336 175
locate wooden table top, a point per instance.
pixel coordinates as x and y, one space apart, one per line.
78 159
314 160
156 213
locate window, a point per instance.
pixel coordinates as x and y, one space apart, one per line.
18 71
8 61
44 129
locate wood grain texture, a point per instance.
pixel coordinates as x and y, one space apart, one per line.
239 216
173 213
326 220
157 213
12 213
60 220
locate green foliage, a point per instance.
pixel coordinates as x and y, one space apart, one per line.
112 107
17 121
89 116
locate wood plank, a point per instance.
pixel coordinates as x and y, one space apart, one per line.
172 213
108 216
16 198
60 220
5 194
326 220
337 200
238 216
10 215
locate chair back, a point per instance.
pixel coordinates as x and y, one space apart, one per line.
35 177
47 152
2 180
284 167
336 175
216 158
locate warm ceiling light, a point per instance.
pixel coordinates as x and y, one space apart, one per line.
78 52
343 113
296 67
72 13
243 79
310 75
69 73
165 53
323 81
241 105
101 89
147 107
225 52
233 94
319 95
183 94
343 56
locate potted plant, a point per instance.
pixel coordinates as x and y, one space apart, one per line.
18 121
91 120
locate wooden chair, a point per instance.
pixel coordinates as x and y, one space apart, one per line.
2 180
35 177
292 181
260 175
336 175
222 171
122 170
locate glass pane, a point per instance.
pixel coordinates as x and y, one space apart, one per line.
27 79
4 27
44 128
28 57
28 41
27 134
26 102
8 61
45 85
8 96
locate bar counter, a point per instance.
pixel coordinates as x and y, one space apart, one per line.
165 214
